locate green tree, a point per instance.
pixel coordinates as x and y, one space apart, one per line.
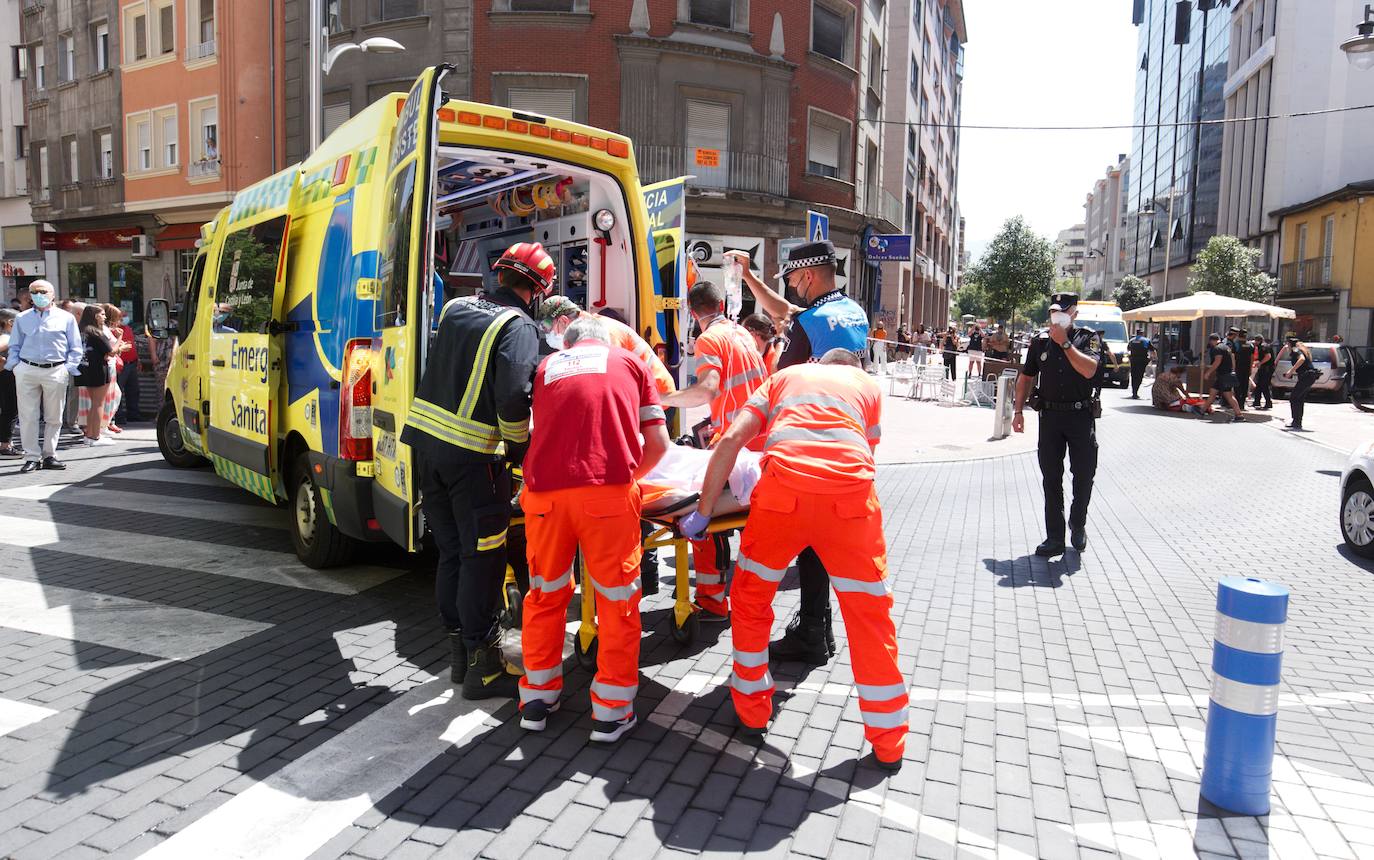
1016 270
971 299
1133 293
1228 267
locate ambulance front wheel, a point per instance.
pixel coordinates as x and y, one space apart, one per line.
318 543
170 442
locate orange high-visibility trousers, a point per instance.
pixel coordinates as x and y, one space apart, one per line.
846 531
604 522
710 578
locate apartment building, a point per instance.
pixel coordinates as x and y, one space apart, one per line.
200 118
21 258
1070 250
1104 231
925 42
1302 189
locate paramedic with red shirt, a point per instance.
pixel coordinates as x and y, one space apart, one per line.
591 403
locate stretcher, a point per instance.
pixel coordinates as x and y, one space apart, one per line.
665 501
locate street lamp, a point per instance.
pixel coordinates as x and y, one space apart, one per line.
1359 49
321 63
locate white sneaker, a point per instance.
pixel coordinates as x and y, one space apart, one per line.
87 441
103 440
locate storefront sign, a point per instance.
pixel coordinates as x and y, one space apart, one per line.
90 240
708 157
890 247
26 269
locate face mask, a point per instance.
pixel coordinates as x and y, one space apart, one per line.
220 318
41 300
554 340
1061 319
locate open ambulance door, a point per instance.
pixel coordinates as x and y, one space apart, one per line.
246 349
404 306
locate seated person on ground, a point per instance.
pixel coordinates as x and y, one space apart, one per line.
1170 392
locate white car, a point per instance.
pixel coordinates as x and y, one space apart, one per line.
1357 501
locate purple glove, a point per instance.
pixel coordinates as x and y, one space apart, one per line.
693 526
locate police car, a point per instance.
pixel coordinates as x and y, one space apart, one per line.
1357 501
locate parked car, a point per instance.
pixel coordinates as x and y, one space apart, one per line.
1357 501
1331 359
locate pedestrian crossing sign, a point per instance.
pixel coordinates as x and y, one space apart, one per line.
817 226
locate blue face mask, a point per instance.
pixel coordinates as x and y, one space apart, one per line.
220 318
41 300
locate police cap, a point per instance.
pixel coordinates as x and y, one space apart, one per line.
1063 301
811 254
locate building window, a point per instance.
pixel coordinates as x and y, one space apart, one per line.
20 56
165 123
541 6
100 44
716 13
336 115
707 130
203 28
831 33
1328 247
104 165
909 218
135 34
205 130
166 29
73 163
44 186
557 103
334 13
875 67
140 132
827 144
911 141
66 59
393 9
21 141
186 265
40 69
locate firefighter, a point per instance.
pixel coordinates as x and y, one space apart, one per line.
821 425
591 403
475 395
822 318
729 369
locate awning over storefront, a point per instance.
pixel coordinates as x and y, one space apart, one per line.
178 237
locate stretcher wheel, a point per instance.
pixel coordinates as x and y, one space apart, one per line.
687 633
515 607
586 659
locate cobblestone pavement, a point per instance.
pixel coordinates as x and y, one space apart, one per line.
173 683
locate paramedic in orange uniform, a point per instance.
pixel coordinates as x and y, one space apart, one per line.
556 313
591 403
729 369
821 424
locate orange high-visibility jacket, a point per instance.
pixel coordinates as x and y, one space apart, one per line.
821 424
729 348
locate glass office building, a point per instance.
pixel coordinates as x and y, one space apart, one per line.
1183 84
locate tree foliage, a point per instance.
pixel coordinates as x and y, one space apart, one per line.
1016 270
1133 293
971 299
1228 267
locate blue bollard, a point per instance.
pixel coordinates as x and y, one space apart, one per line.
1246 658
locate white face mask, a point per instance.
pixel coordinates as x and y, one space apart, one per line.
1061 319
554 340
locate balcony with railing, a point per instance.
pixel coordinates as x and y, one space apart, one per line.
1313 274
721 169
201 51
203 169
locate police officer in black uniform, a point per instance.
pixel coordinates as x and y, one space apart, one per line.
1245 356
1139 349
1064 364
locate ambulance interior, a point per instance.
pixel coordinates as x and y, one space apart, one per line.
489 200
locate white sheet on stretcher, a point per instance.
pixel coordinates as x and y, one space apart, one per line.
684 469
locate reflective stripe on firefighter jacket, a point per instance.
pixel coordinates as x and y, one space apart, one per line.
476 387
822 425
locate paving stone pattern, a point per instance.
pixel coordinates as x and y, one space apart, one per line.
1057 708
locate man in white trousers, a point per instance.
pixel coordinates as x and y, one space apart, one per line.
45 353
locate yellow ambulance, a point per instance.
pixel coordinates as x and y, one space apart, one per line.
304 327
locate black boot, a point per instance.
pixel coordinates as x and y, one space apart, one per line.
458 656
804 642
486 676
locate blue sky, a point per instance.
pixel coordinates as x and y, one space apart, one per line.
1042 62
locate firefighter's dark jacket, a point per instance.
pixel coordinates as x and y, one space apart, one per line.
476 387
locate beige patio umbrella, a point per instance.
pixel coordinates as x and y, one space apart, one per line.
1201 305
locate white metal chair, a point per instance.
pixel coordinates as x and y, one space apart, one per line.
930 382
903 372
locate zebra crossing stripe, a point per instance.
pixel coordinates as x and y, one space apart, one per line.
258 565
90 495
163 631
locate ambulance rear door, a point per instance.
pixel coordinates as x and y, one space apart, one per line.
246 348
404 306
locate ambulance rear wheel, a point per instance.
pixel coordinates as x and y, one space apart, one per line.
318 543
170 442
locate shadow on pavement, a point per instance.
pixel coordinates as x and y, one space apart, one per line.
1365 564
1032 571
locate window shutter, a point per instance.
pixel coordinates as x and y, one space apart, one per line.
824 146
708 125
336 115
559 104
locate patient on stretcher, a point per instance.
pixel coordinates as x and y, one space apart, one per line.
670 490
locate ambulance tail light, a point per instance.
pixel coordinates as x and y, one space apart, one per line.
355 402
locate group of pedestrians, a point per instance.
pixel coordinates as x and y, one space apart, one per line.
978 344
70 375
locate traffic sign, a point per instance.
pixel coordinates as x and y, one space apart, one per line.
817 226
